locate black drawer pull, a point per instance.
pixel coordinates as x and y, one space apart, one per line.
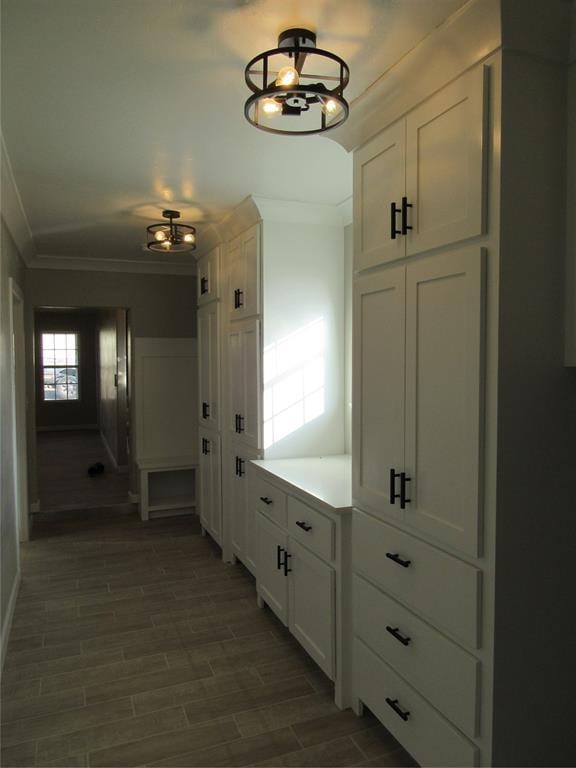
203 285
393 494
400 712
405 206
285 563
279 551
266 500
305 526
403 498
394 210
395 632
397 559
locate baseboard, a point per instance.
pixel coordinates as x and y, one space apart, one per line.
66 428
9 616
35 507
109 450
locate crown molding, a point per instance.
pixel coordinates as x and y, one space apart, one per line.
112 265
466 38
12 208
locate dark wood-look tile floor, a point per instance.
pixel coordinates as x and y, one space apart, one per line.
134 645
63 480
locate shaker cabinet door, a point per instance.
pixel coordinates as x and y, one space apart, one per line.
445 149
209 360
208 286
379 181
271 551
378 387
444 341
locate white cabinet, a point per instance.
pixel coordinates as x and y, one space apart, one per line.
420 183
208 285
239 536
209 365
243 291
243 352
211 484
271 553
418 341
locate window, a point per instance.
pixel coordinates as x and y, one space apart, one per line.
60 366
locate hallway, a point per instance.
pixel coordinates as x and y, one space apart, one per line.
63 480
133 644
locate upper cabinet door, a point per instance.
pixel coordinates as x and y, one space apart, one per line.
209 366
445 151
234 276
208 287
244 285
379 182
378 388
444 341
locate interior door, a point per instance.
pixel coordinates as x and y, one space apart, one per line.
379 181
378 388
311 600
445 148
209 358
444 341
272 581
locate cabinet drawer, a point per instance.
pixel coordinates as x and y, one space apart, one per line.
440 587
429 738
311 528
268 499
441 671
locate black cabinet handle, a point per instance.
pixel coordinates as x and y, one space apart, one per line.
205 410
393 494
203 285
205 446
394 210
285 563
239 467
395 632
405 206
266 500
395 706
238 298
303 525
235 422
279 551
397 559
240 423
403 498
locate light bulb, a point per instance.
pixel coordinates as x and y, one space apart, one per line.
288 76
189 238
330 107
160 235
166 243
270 107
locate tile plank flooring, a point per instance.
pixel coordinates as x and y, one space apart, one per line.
134 645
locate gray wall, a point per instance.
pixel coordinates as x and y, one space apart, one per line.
84 411
10 266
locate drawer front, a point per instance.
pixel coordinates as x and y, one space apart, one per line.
439 669
429 738
312 528
441 588
269 500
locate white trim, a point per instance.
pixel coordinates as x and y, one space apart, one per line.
466 38
13 211
44 261
7 626
290 211
67 427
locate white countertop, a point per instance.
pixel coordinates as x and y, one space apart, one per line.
327 479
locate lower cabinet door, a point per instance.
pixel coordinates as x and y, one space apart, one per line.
211 484
272 575
311 612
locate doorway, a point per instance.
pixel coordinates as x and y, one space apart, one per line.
82 407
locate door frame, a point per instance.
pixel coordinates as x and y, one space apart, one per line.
19 409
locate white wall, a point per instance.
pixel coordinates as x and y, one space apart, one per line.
303 274
11 266
348 290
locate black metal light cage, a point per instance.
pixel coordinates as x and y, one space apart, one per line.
305 95
174 235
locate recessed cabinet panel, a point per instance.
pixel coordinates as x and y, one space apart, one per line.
445 164
235 377
379 180
378 387
311 585
210 484
444 320
239 512
208 286
244 274
251 355
209 357
272 581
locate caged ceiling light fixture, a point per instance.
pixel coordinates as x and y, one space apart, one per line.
171 238
294 98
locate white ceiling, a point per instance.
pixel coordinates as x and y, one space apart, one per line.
115 109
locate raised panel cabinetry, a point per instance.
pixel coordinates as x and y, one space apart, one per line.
419 184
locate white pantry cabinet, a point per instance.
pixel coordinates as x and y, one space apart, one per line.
243 283
210 476
418 344
419 184
209 365
243 365
208 280
240 515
